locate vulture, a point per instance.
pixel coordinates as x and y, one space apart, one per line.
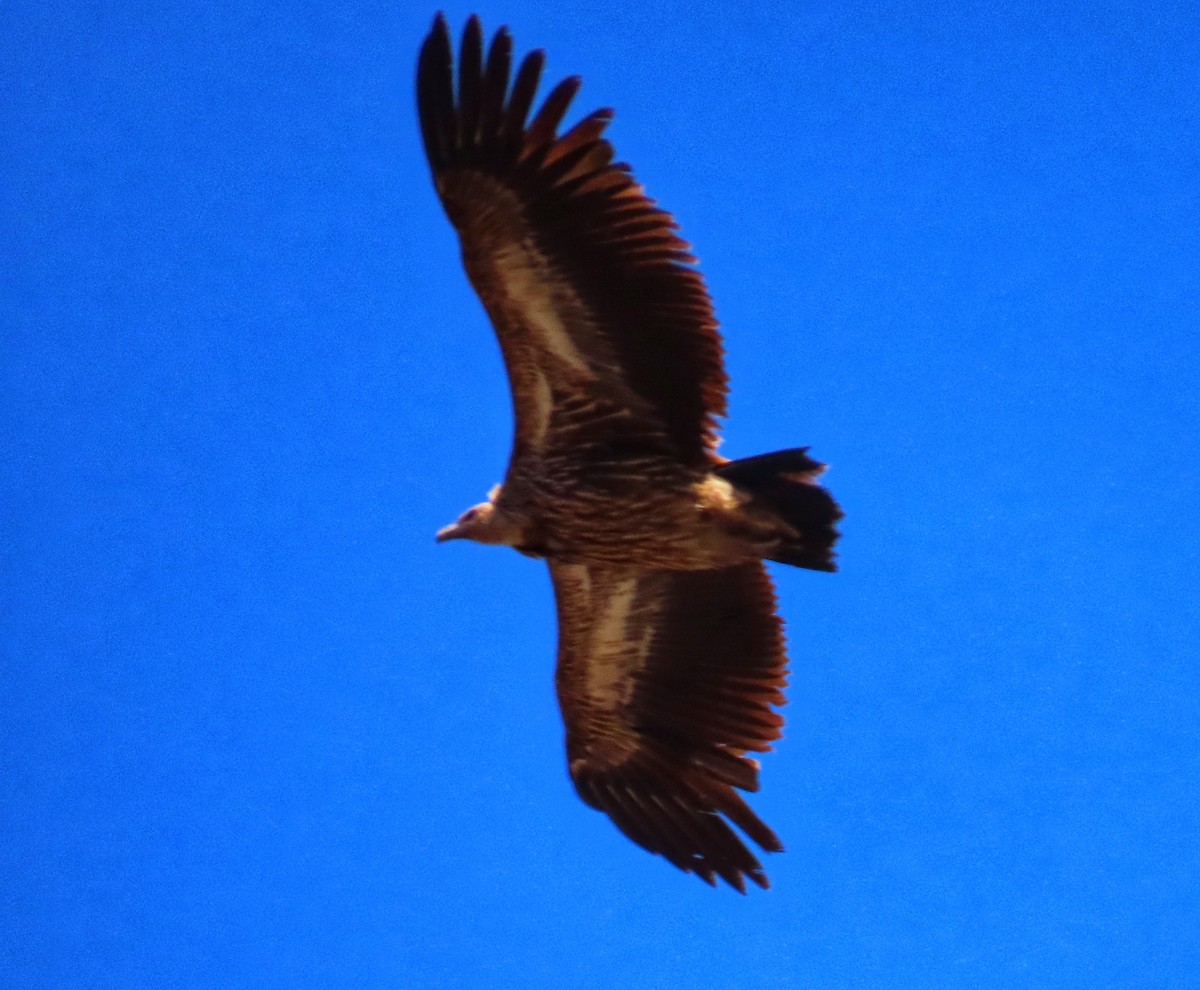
671 658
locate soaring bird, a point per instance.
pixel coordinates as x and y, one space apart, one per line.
671 657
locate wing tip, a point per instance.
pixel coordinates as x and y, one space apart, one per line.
690 824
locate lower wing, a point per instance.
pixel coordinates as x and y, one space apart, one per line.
666 679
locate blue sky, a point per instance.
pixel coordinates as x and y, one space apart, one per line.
260 731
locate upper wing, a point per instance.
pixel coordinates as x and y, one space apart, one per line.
665 680
583 276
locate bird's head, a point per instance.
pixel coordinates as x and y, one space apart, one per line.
483 523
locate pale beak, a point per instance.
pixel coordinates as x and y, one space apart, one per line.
451 532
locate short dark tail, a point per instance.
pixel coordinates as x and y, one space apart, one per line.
785 482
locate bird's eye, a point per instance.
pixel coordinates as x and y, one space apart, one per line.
469 515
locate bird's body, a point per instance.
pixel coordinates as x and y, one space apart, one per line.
671 657
634 511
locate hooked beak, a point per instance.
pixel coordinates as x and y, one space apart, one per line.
451 532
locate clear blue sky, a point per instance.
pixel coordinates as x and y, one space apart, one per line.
259 731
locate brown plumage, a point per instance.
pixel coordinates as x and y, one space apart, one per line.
671 657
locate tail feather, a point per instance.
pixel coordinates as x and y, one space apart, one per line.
785 482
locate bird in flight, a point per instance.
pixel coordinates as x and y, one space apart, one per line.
671 657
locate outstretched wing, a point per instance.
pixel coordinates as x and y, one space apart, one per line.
666 679
591 291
